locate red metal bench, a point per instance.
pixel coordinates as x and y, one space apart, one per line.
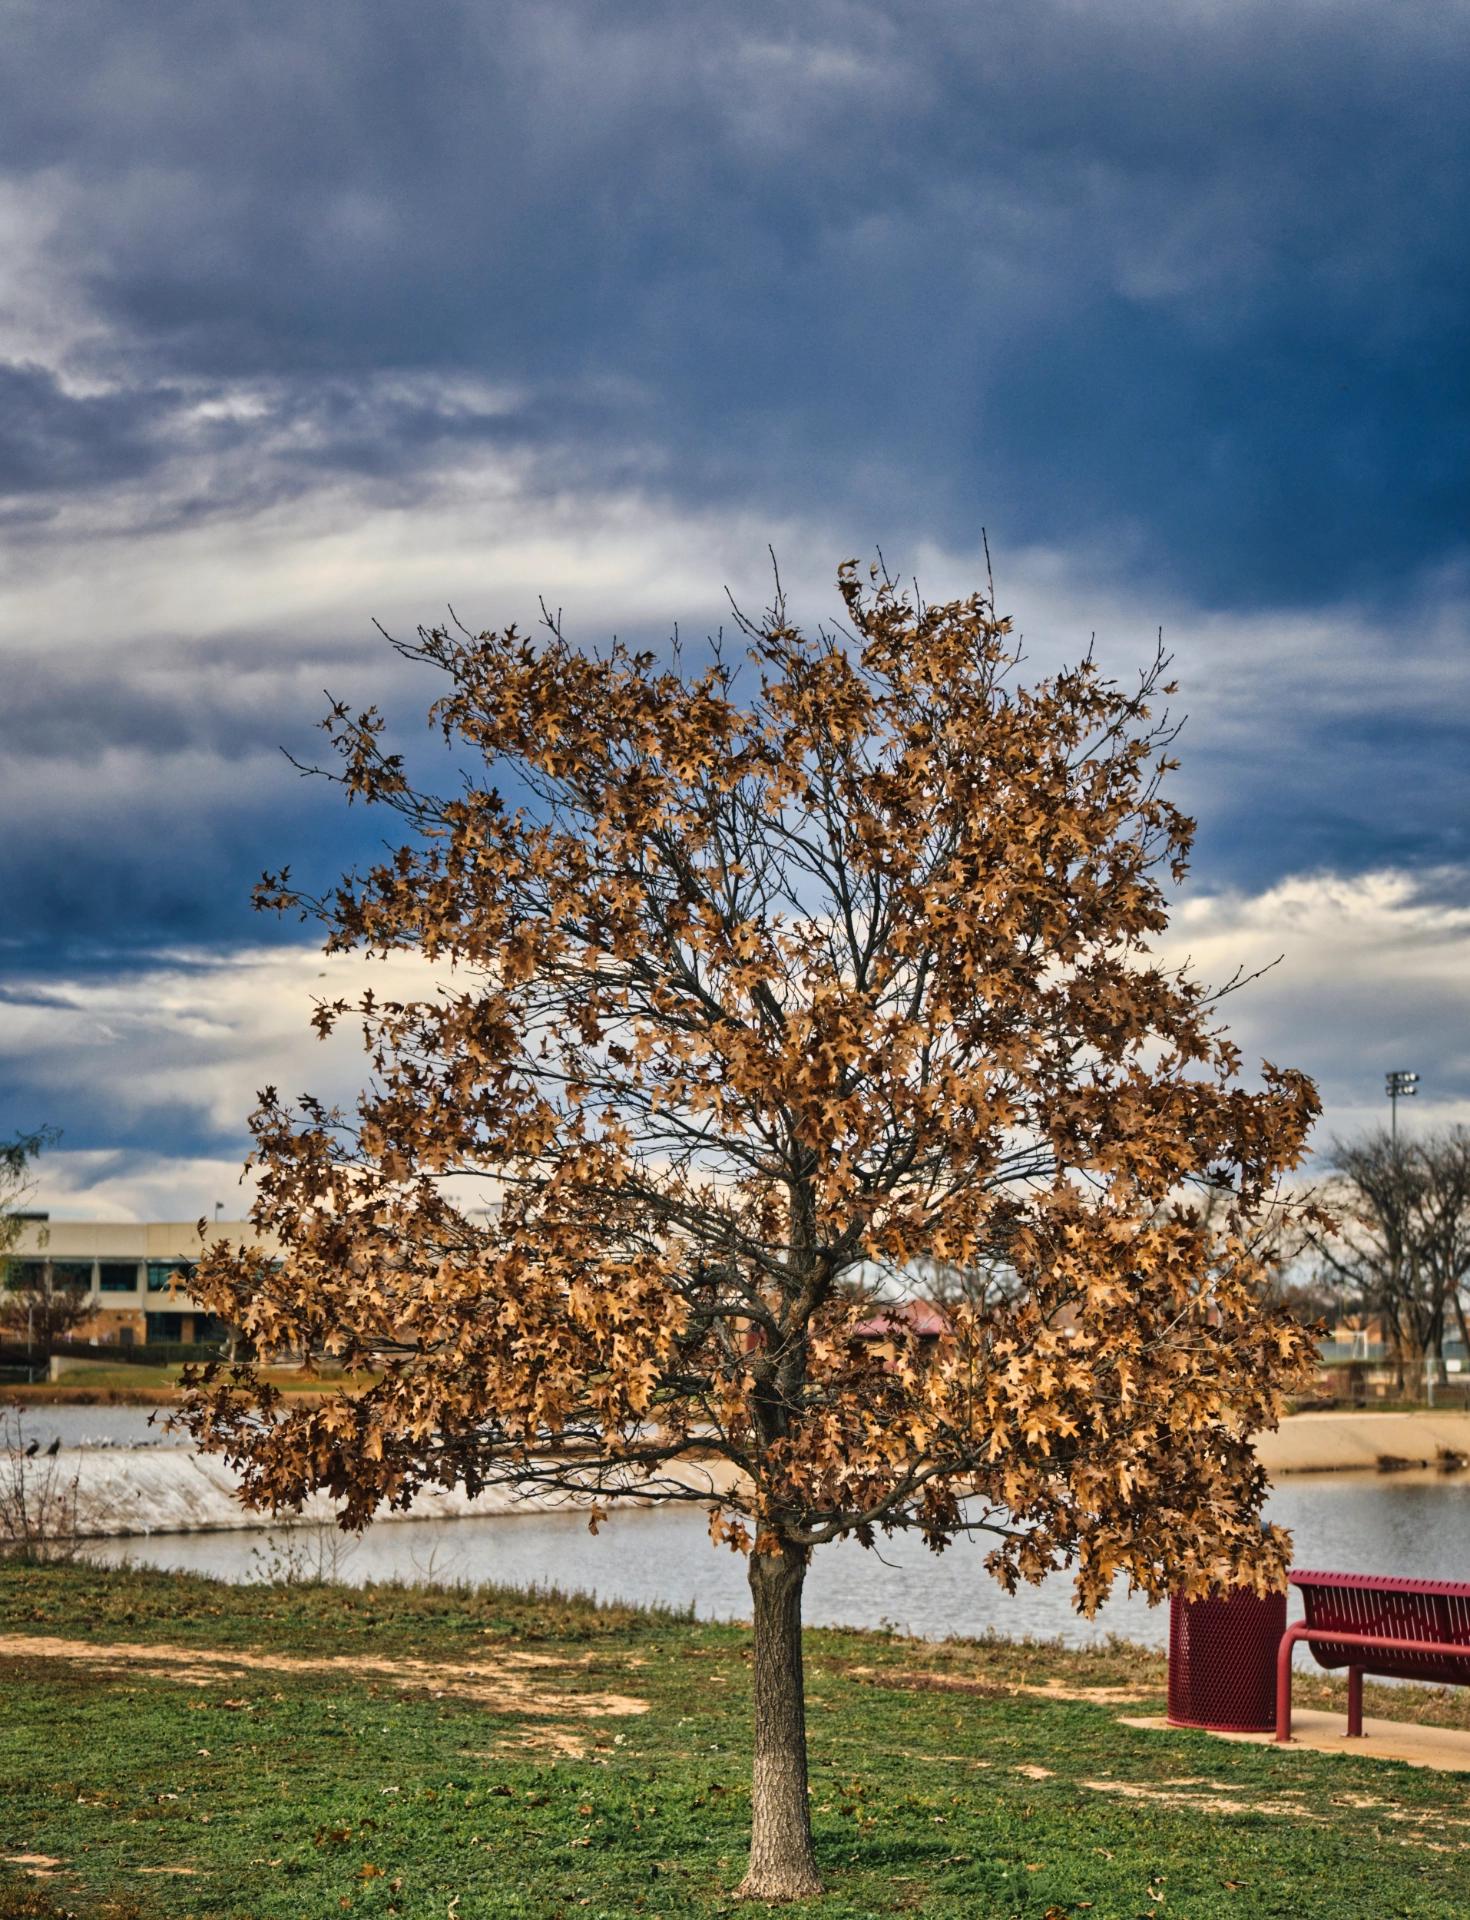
1373 1623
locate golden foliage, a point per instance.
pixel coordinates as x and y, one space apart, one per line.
766 983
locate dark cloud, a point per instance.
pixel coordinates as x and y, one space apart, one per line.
146 792
145 795
1189 277
1285 468
149 797
1170 296
52 441
210 449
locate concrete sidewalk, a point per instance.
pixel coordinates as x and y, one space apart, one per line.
1445 1749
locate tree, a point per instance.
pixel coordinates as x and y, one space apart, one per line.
44 1308
1444 1220
17 1181
754 984
36 1302
1402 1248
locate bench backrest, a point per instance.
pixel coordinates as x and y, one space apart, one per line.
1394 1610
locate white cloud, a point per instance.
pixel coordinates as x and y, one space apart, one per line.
139 572
113 1186
332 560
1375 973
45 319
1265 691
198 1033
1236 668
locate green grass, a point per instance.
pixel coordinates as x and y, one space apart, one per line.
137 1374
145 1385
312 1794
91 1386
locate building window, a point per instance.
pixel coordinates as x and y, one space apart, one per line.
163 1273
116 1277
76 1275
165 1326
22 1273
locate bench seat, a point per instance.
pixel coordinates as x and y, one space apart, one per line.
1377 1624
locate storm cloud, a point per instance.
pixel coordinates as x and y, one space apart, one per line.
311 317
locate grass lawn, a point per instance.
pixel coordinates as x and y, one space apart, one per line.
172 1746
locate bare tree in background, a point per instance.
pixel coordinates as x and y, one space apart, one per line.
1403 1245
17 1180
44 1308
38 1503
34 1303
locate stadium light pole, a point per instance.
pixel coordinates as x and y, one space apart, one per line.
1401 1085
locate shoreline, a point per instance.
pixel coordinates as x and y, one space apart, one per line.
47 1393
136 1493
142 1491
1364 1441
1341 1441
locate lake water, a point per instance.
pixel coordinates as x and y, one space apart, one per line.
1361 1523
1352 1522
96 1426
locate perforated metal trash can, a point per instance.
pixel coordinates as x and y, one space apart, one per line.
1222 1661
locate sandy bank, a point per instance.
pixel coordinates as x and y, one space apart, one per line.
1341 1442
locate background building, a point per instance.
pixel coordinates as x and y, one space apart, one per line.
136 1273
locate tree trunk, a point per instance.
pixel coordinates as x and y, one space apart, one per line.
783 1865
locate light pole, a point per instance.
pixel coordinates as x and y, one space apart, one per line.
1403 1085
1400 1085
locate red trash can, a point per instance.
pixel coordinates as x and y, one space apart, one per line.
1222 1660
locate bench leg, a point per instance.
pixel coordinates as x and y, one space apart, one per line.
1283 1688
1355 1703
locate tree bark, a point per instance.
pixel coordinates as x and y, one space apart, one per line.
783 1865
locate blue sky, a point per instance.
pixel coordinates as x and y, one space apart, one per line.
311 316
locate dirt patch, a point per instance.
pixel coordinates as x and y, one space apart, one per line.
965 1761
929 1683
920 1682
189 1871
1090 1696
39 1864
1285 1805
505 1688
568 1746
1175 1793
